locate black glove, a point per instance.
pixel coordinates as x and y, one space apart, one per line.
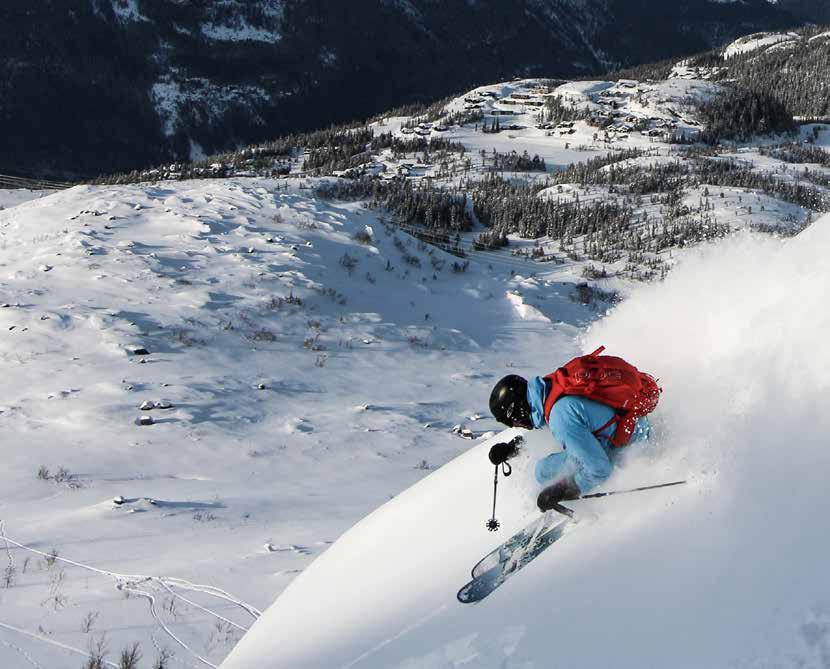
558 492
500 453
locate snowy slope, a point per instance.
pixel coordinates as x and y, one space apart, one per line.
301 397
13 197
726 572
758 41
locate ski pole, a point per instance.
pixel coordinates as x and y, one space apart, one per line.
565 511
493 524
623 492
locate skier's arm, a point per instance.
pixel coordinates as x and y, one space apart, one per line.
570 426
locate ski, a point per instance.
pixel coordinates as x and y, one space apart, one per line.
511 561
517 542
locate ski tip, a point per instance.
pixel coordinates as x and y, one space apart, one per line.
471 594
465 598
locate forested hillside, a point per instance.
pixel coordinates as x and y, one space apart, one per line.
793 67
95 86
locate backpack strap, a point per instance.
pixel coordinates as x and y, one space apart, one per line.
619 438
555 390
616 418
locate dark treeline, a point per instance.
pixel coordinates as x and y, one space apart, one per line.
490 240
645 72
590 171
515 162
405 146
509 207
413 202
556 111
355 148
428 112
608 228
735 174
740 113
341 153
797 153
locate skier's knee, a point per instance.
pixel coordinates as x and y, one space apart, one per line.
599 470
542 471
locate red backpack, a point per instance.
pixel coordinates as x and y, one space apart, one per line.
610 381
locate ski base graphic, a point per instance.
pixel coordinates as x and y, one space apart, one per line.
510 557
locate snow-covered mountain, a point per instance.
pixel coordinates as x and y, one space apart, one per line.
96 86
209 381
790 66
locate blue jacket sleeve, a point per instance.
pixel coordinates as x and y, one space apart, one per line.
570 423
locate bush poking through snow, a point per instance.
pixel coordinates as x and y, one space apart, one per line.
97 654
363 236
277 302
51 559
9 574
89 621
163 659
590 295
348 262
592 272
185 338
313 343
263 334
130 658
62 477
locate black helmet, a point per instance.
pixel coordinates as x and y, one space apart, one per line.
508 402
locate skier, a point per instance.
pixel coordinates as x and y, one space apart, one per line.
593 404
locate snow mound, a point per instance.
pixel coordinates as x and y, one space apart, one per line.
525 311
726 571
